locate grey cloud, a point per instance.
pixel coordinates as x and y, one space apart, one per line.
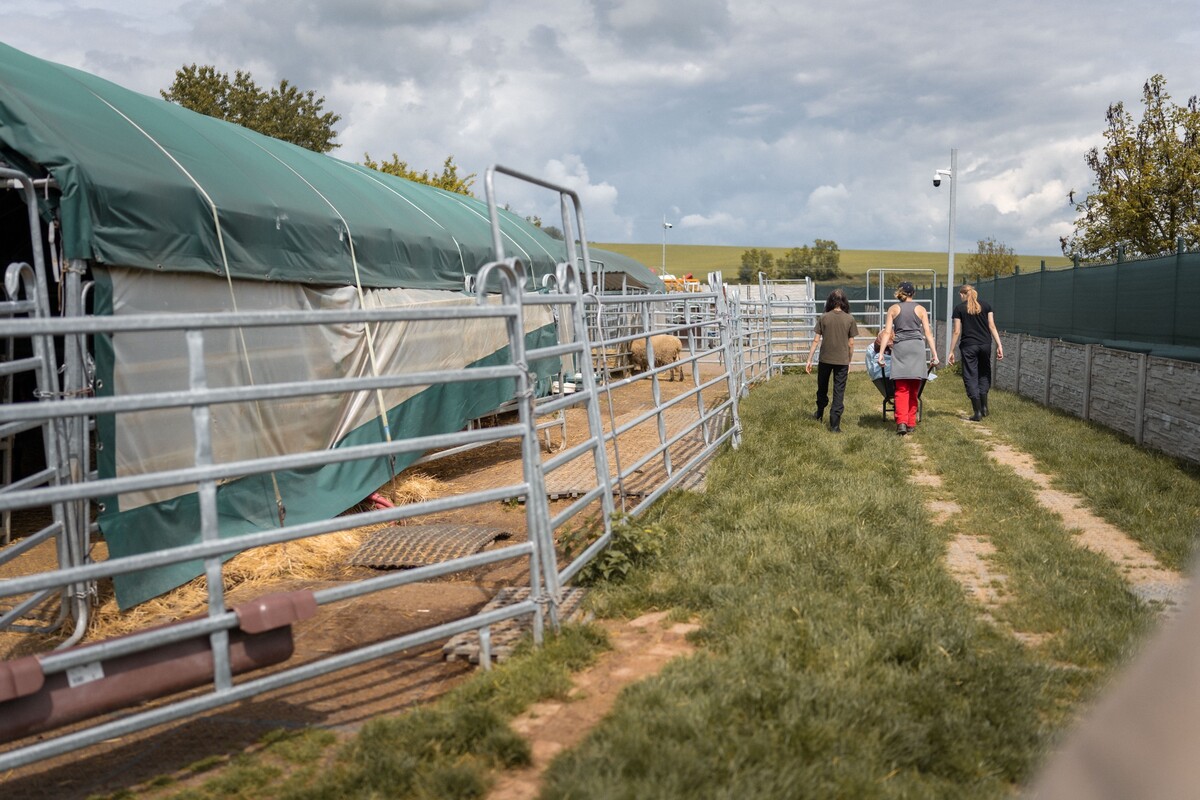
638 24
736 112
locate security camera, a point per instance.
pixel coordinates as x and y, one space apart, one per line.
937 179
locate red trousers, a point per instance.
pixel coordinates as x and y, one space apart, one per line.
907 393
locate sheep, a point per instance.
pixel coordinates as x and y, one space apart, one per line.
666 351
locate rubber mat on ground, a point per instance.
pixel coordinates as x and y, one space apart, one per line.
417 545
507 634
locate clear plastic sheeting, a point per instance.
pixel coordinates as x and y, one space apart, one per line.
152 362
137 443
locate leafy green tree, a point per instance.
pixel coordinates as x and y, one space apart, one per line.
449 179
821 262
796 263
1145 195
991 259
826 260
283 112
755 261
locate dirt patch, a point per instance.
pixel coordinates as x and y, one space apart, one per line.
1139 567
970 556
641 648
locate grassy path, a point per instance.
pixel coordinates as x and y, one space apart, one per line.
839 655
879 616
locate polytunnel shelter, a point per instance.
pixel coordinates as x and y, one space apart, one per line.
144 206
617 272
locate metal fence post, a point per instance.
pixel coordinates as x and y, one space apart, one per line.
1139 426
1017 367
1089 354
1049 371
209 521
725 329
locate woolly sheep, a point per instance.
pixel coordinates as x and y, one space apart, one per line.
666 351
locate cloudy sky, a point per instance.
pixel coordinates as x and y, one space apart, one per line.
741 122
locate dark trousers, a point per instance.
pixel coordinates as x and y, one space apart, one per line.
976 369
839 373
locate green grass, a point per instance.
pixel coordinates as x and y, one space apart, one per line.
448 749
702 259
840 659
1151 496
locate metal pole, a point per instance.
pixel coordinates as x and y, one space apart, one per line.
950 257
665 225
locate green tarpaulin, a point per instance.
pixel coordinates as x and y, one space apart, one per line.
148 184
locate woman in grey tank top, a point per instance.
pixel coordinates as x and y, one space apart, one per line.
907 330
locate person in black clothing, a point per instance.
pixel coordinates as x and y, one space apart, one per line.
834 332
975 323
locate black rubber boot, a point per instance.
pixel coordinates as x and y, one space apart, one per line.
820 413
977 407
983 404
835 423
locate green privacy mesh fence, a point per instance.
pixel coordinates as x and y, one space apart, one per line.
1149 305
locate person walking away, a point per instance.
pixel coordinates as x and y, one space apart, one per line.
906 325
834 332
975 323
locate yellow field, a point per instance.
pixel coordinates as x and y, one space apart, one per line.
702 259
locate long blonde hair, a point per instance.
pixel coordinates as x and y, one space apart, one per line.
973 306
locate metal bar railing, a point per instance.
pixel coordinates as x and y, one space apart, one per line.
727 346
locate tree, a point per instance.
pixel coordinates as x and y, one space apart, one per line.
826 260
821 262
755 261
284 112
795 263
449 180
992 259
1145 194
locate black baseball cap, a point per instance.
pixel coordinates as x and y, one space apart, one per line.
906 287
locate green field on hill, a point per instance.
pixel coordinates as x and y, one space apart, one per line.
702 259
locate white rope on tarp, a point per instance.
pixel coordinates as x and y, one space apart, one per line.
525 253
362 301
366 173
228 275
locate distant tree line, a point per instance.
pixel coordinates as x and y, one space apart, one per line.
821 262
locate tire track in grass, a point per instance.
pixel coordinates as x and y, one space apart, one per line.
969 557
1153 583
